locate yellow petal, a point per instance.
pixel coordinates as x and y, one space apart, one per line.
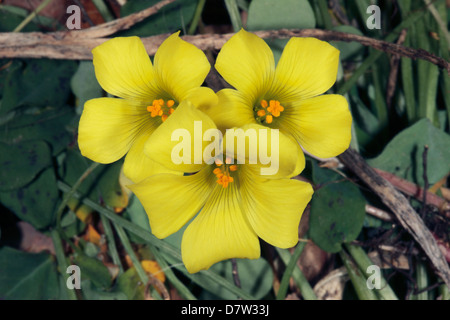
246 62
307 67
109 126
172 200
178 142
124 69
232 110
219 232
138 166
180 66
268 151
202 97
321 125
274 207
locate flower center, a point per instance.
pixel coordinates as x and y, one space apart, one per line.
223 172
160 108
266 111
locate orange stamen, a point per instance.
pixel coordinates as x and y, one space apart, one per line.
161 108
223 172
264 104
261 113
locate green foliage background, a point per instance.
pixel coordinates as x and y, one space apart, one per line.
41 101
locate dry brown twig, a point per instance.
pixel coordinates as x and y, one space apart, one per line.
394 62
400 206
417 192
157 284
77 45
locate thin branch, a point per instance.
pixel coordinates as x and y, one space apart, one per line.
402 209
109 28
415 191
392 80
77 45
234 271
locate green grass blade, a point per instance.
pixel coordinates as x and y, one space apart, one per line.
373 57
357 278
181 288
151 239
197 16
363 262
32 15
233 12
112 248
297 274
282 291
325 14
406 69
62 263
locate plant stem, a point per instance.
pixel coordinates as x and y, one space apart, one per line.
127 245
31 16
323 6
234 14
293 270
422 281
370 60
62 263
72 191
197 16
111 243
170 250
357 278
182 289
363 262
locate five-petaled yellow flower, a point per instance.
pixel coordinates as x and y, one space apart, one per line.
287 97
147 97
237 204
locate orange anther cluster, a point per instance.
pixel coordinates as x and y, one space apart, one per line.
275 108
269 110
161 108
223 173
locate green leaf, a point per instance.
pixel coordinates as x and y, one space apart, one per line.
34 203
84 84
137 213
403 154
169 19
21 162
289 14
348 49
40 83
10 71
255 275
49 125
94 270
102 183
131 285
27 276
90 292
337 215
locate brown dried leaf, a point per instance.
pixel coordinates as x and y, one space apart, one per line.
34 241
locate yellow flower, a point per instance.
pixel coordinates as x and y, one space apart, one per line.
288 96
147 95
237 204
